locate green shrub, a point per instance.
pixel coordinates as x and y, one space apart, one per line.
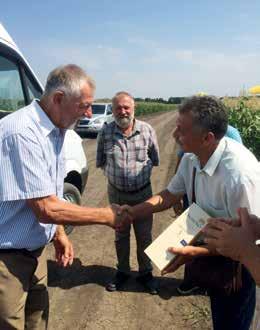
247 121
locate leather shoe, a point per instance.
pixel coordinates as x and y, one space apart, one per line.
148 282
117 282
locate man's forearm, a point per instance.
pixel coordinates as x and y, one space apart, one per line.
59 231
65 213
251 260
156 203
54 210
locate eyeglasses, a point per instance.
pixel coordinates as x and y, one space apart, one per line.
84 106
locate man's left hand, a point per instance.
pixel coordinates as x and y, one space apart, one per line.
184 255
64 253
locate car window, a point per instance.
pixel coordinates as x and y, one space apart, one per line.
11 92
98 109
109 109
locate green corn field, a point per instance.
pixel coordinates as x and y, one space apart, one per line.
146 108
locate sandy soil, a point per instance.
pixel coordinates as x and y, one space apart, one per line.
77 294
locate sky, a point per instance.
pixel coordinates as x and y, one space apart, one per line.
149 48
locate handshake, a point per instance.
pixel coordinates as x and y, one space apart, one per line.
123 216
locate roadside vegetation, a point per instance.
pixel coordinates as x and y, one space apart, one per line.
147 108
245 116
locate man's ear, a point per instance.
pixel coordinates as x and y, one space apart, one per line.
210 138
57 97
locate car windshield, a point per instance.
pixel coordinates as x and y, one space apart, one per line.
98 109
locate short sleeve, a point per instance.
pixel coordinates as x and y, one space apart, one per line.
24 170
244 193
177 183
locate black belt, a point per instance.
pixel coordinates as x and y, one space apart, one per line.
131 191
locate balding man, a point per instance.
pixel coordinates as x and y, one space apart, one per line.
127 151
31 187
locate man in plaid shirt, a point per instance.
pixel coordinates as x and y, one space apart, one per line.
127 150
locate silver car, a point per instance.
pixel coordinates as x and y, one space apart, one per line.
101 113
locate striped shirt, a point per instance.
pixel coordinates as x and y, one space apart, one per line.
31 166
127 160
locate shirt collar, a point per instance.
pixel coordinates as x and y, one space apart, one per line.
41 117
213 161
136 128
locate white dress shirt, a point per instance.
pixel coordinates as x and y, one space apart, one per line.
229 180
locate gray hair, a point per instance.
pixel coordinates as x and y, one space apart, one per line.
68 79
121 93
208 113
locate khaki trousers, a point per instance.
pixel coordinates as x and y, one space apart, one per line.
142 229
24 301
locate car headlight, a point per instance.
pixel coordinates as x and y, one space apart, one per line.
98 121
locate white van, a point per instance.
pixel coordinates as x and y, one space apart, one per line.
18 87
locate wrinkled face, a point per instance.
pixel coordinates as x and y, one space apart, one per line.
123 111
189 138
73 108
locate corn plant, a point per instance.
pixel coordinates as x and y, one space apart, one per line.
247 121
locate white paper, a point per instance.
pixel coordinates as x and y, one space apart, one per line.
178 234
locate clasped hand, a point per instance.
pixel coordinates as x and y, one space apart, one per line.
124 216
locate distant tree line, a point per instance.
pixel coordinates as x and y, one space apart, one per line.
171 100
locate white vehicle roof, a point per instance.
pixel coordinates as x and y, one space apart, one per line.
6 39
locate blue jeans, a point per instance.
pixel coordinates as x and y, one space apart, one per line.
235 311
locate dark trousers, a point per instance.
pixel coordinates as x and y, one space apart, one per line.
235 311
142 229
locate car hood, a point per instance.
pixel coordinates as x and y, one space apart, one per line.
94 116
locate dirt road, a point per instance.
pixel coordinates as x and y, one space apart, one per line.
78 296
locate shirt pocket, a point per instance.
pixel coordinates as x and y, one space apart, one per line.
109 150
112 152
217 211
141 154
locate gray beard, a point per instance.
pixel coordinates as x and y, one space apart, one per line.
124 122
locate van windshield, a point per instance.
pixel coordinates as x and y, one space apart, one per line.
98 109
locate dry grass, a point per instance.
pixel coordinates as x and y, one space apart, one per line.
252 102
